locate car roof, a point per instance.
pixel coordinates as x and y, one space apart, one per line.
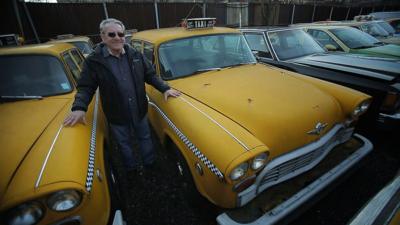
323 27
70 39
47 48
266 28
158 36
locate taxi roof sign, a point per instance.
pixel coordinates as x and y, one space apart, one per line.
65 36
198 23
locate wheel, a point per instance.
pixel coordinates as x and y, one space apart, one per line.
185 181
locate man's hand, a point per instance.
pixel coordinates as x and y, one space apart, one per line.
75 117
171 92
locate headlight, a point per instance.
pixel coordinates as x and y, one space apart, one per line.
64 200
361 108
25 214
239 171
259 161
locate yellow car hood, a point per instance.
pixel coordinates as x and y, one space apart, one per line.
22 123
276 107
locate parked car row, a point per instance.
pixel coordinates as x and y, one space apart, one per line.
293 49
244 134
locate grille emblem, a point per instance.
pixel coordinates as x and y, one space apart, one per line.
318 129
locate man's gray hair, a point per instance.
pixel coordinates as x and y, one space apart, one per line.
109 21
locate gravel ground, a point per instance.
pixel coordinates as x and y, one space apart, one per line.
153 196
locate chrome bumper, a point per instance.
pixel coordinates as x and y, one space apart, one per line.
118 220
395 116
382 208
303 196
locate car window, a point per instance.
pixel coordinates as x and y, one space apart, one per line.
83 46
257 43
32 75
137 45
396 25
374 29
289 44
77 57
189 56
72 66
355 39
148 51
386 26
323 38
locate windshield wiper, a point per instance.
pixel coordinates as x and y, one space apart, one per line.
240 64
379 43
19 97
205 70
364 46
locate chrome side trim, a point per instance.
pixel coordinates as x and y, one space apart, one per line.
92 148
352 69
395 116
378 210
218 124
189 144
287 208
48 156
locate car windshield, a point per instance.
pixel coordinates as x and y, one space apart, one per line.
385 25
83 46
289 44
188 56
354 38
374 29
32 75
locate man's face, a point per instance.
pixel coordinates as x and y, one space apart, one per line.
110 37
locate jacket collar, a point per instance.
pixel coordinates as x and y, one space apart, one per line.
97 55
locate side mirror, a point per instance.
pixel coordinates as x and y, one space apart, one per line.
256 54
330 47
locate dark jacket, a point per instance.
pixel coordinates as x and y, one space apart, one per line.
97 73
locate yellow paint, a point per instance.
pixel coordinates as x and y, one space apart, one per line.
28 129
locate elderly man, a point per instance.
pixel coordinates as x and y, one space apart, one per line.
120 72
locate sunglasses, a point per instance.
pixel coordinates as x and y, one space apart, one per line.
113 34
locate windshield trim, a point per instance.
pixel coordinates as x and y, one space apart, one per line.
63 65
188 37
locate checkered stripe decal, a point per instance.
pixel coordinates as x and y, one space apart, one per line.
92 148
190 145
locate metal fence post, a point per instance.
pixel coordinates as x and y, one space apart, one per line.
293 9
31 22
313 13
348 13
105 9
16 9
330 14
204 8
156 12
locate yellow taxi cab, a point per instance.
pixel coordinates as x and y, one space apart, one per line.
50 174
240 128
83 43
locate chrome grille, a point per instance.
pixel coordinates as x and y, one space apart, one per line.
302 159
292 165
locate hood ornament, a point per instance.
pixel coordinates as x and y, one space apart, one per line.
318 129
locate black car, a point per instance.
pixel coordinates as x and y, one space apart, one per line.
295 50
